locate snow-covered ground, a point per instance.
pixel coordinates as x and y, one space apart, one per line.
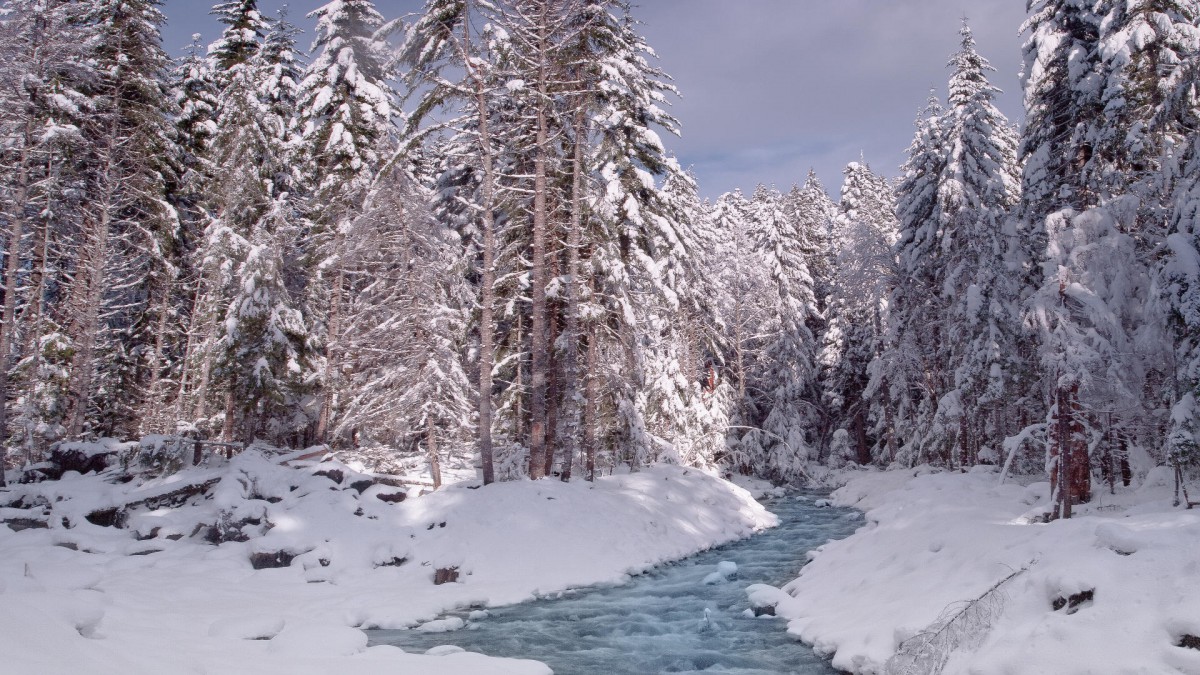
937 540
154 597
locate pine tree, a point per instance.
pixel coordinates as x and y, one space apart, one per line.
1102 347
43 66
863 237
982 318
788 367
257 207
129 235
953 309
244 30
442 37
263 353
346 115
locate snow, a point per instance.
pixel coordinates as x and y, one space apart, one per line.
936 540
82 594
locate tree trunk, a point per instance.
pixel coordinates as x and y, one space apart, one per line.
155 416
539 361
87 297
487 290
1070 475
332 350
590 405
11 267
571 392
435 464
859 426
553 387
33 337
228 429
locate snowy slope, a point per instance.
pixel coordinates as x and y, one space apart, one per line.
97 596
935 540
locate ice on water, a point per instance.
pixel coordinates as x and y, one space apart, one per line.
670 620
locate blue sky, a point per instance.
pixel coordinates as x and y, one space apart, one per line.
771 88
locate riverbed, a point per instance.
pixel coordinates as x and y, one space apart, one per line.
687 617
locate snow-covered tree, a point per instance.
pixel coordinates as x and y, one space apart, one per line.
953 309
128 239
346 123
787 368
863 237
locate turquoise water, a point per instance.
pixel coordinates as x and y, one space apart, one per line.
665 621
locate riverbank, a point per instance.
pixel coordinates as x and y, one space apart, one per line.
155 597
961 569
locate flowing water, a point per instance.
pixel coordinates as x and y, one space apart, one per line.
667 620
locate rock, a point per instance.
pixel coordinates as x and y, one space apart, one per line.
360 485
1074 601
105 517
445 575
334 475
260 561
18 524
73 459
392 497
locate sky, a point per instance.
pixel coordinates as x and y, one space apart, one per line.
772 88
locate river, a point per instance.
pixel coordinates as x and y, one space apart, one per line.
667 620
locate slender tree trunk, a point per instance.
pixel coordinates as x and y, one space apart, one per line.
591 403
859 426
487 292
87 296
571 392
229 429
208 330
553 388
889 414
37 305
12 265
333 350
539 363
154 419
435 465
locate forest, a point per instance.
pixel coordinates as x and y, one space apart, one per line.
461 237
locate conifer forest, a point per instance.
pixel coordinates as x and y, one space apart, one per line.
454 248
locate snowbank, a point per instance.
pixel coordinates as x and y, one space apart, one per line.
156 597
937 540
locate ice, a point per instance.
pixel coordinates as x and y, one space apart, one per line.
666 620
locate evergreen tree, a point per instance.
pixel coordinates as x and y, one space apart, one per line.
863 236
788 365
345 121
263 353
129 239
43 70
953 315
240 39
